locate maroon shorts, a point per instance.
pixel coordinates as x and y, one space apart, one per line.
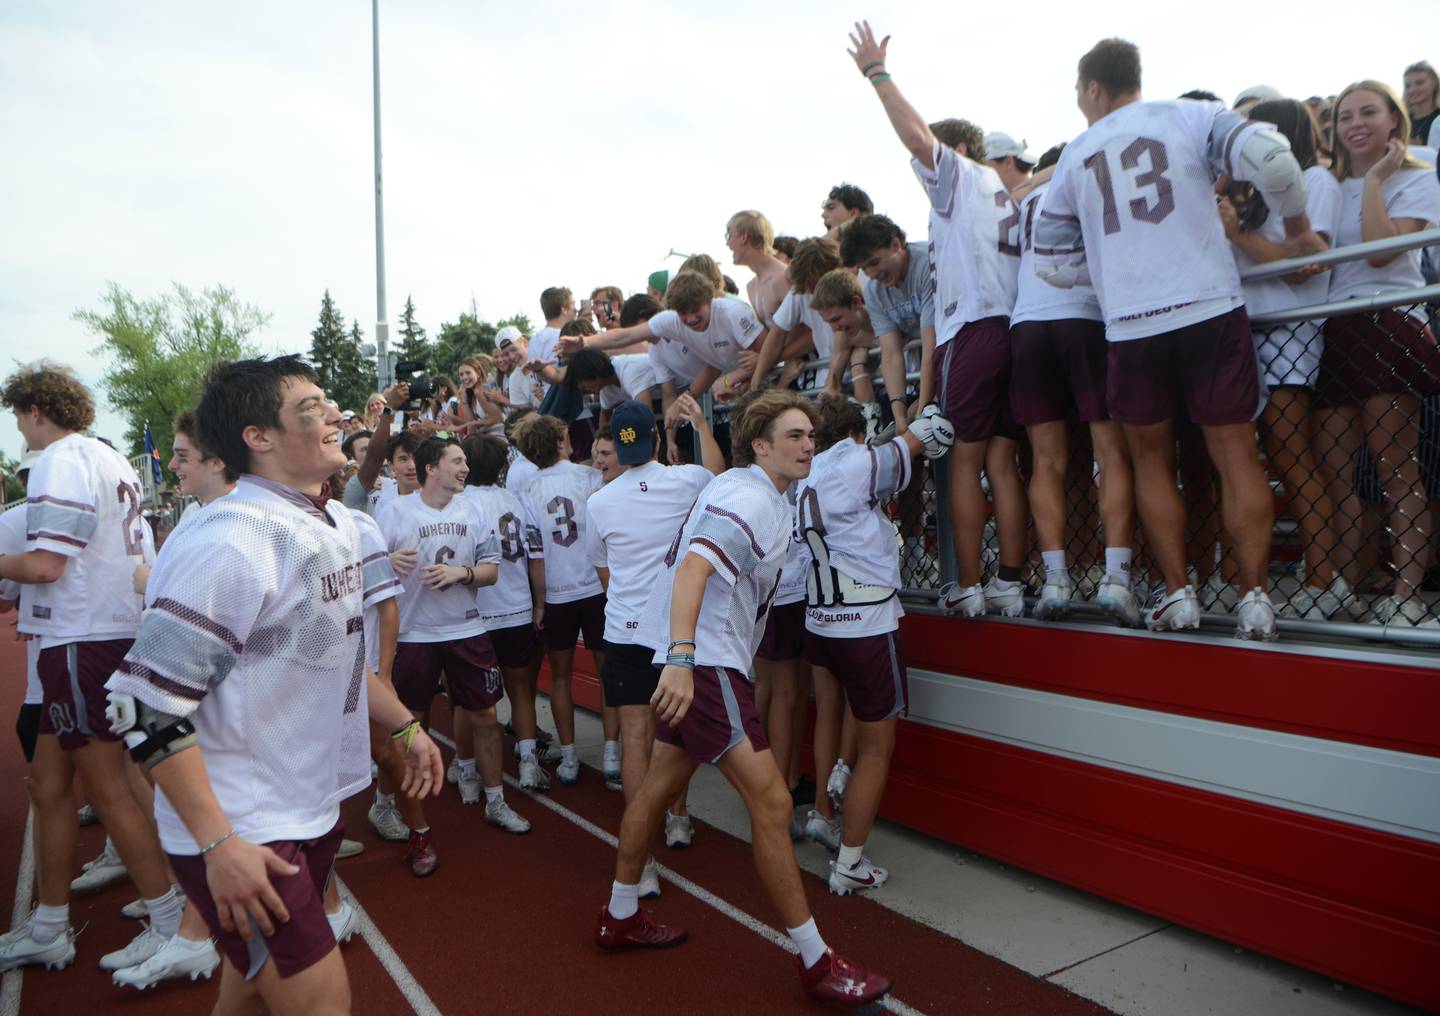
722 712
471 673
298 943
871 669
1210 367
972 379
516 647
1058 371
784 637
1377 353
564 622
72 679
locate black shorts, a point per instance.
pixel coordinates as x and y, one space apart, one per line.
630 675
27 728
566 622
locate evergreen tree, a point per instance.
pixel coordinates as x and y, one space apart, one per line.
460 339
413 344
346 374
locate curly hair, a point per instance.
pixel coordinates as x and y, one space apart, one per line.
839 418
538 438
754 416
55 391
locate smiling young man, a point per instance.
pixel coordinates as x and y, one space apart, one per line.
252 765
705 618
843 205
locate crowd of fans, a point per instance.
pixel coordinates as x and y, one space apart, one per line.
1072 329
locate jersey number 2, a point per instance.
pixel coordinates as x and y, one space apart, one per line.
1140 208
129 495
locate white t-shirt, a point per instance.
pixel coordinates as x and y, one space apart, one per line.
385 491
381 583
1036 299
632 523
519 472
454 535
506 604
1409 194
555 518
795 310
544 346
636 376
974 241
1322 205
255 634
1138 185
12 541
733 326
83 503
674 362
742 526
520 389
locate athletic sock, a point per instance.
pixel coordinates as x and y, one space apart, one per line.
1117 562
494 793
165 912
624 900
467 766
849 856
527 746
47 922
1054 561
807 939
612 751
384 798
567 753
1008 573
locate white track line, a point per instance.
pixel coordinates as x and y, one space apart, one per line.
702 894
24 886
389 959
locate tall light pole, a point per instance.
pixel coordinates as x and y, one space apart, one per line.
382 327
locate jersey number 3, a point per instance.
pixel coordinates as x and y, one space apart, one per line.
1140 208
566 532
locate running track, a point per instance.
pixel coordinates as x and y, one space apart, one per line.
505 923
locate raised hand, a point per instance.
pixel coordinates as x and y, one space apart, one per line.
867 54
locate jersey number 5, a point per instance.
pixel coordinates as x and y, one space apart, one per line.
1140 208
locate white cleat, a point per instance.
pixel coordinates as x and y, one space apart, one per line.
838 781
1178 611
822 830
1310 604
343 922
105 870
452 771
679 831
1055 596
141 948
1010 603
650 880
386 820
533 775
497 812
865 875
1256 617
568 772
967 602
1409 614
20 948
177 958
470 788
1116 598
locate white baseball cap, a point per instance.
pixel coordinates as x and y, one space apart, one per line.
506 336
998 144
1257 93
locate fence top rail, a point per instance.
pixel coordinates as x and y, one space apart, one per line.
1355 305
1339 255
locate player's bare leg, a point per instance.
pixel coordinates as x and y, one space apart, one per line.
968 509
1246 504
51 782
667 776
464 733
1047 482
1117 483
520 690
637 735
766 797
321 989
829 717
867 783
1152 450
100 765
562 703
489 744
1012 518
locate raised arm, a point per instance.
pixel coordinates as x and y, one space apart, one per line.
615 338
910 127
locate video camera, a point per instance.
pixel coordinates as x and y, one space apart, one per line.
422 388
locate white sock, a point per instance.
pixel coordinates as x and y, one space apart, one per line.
624 900
1117 562
165 912
567 753
384 798
48 922
527 746
494 794
1054 561
612 751
807 939
467 766
849 856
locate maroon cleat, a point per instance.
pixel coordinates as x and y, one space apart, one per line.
637 932
833 978
421 853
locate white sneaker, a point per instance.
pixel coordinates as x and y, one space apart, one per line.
838 781
1256 617
141 948
452 771
470 788
1310 604
870 411
679 831
1055 596
343 922
1409 613
106 869
1177 611
1116 598
967 602
348 849
19 948
650 880
822 830
498 812
610 772
386 820
568 772
135 909
177 958
865 875
1218 596
533 775
1010 603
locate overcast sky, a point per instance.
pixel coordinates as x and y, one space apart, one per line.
528 145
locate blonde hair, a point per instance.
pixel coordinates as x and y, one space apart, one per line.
1342 166
755 228
688 292
707 266
838 288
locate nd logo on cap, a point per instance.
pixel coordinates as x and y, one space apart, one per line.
627 435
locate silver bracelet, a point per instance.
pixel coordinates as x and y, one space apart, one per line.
206 849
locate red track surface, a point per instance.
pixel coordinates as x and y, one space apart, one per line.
505 923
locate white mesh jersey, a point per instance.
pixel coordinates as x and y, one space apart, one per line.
1139 186
455 535
742 526
255 632
974 241
12 541
674 362
797 559
519 472
84 504
733 326
555 518
381 582
1036 299
507 603
631 523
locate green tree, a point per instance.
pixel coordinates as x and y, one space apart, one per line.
346 374
12 490
413 344
161 350
459 339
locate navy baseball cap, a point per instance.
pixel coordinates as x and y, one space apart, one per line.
632 428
